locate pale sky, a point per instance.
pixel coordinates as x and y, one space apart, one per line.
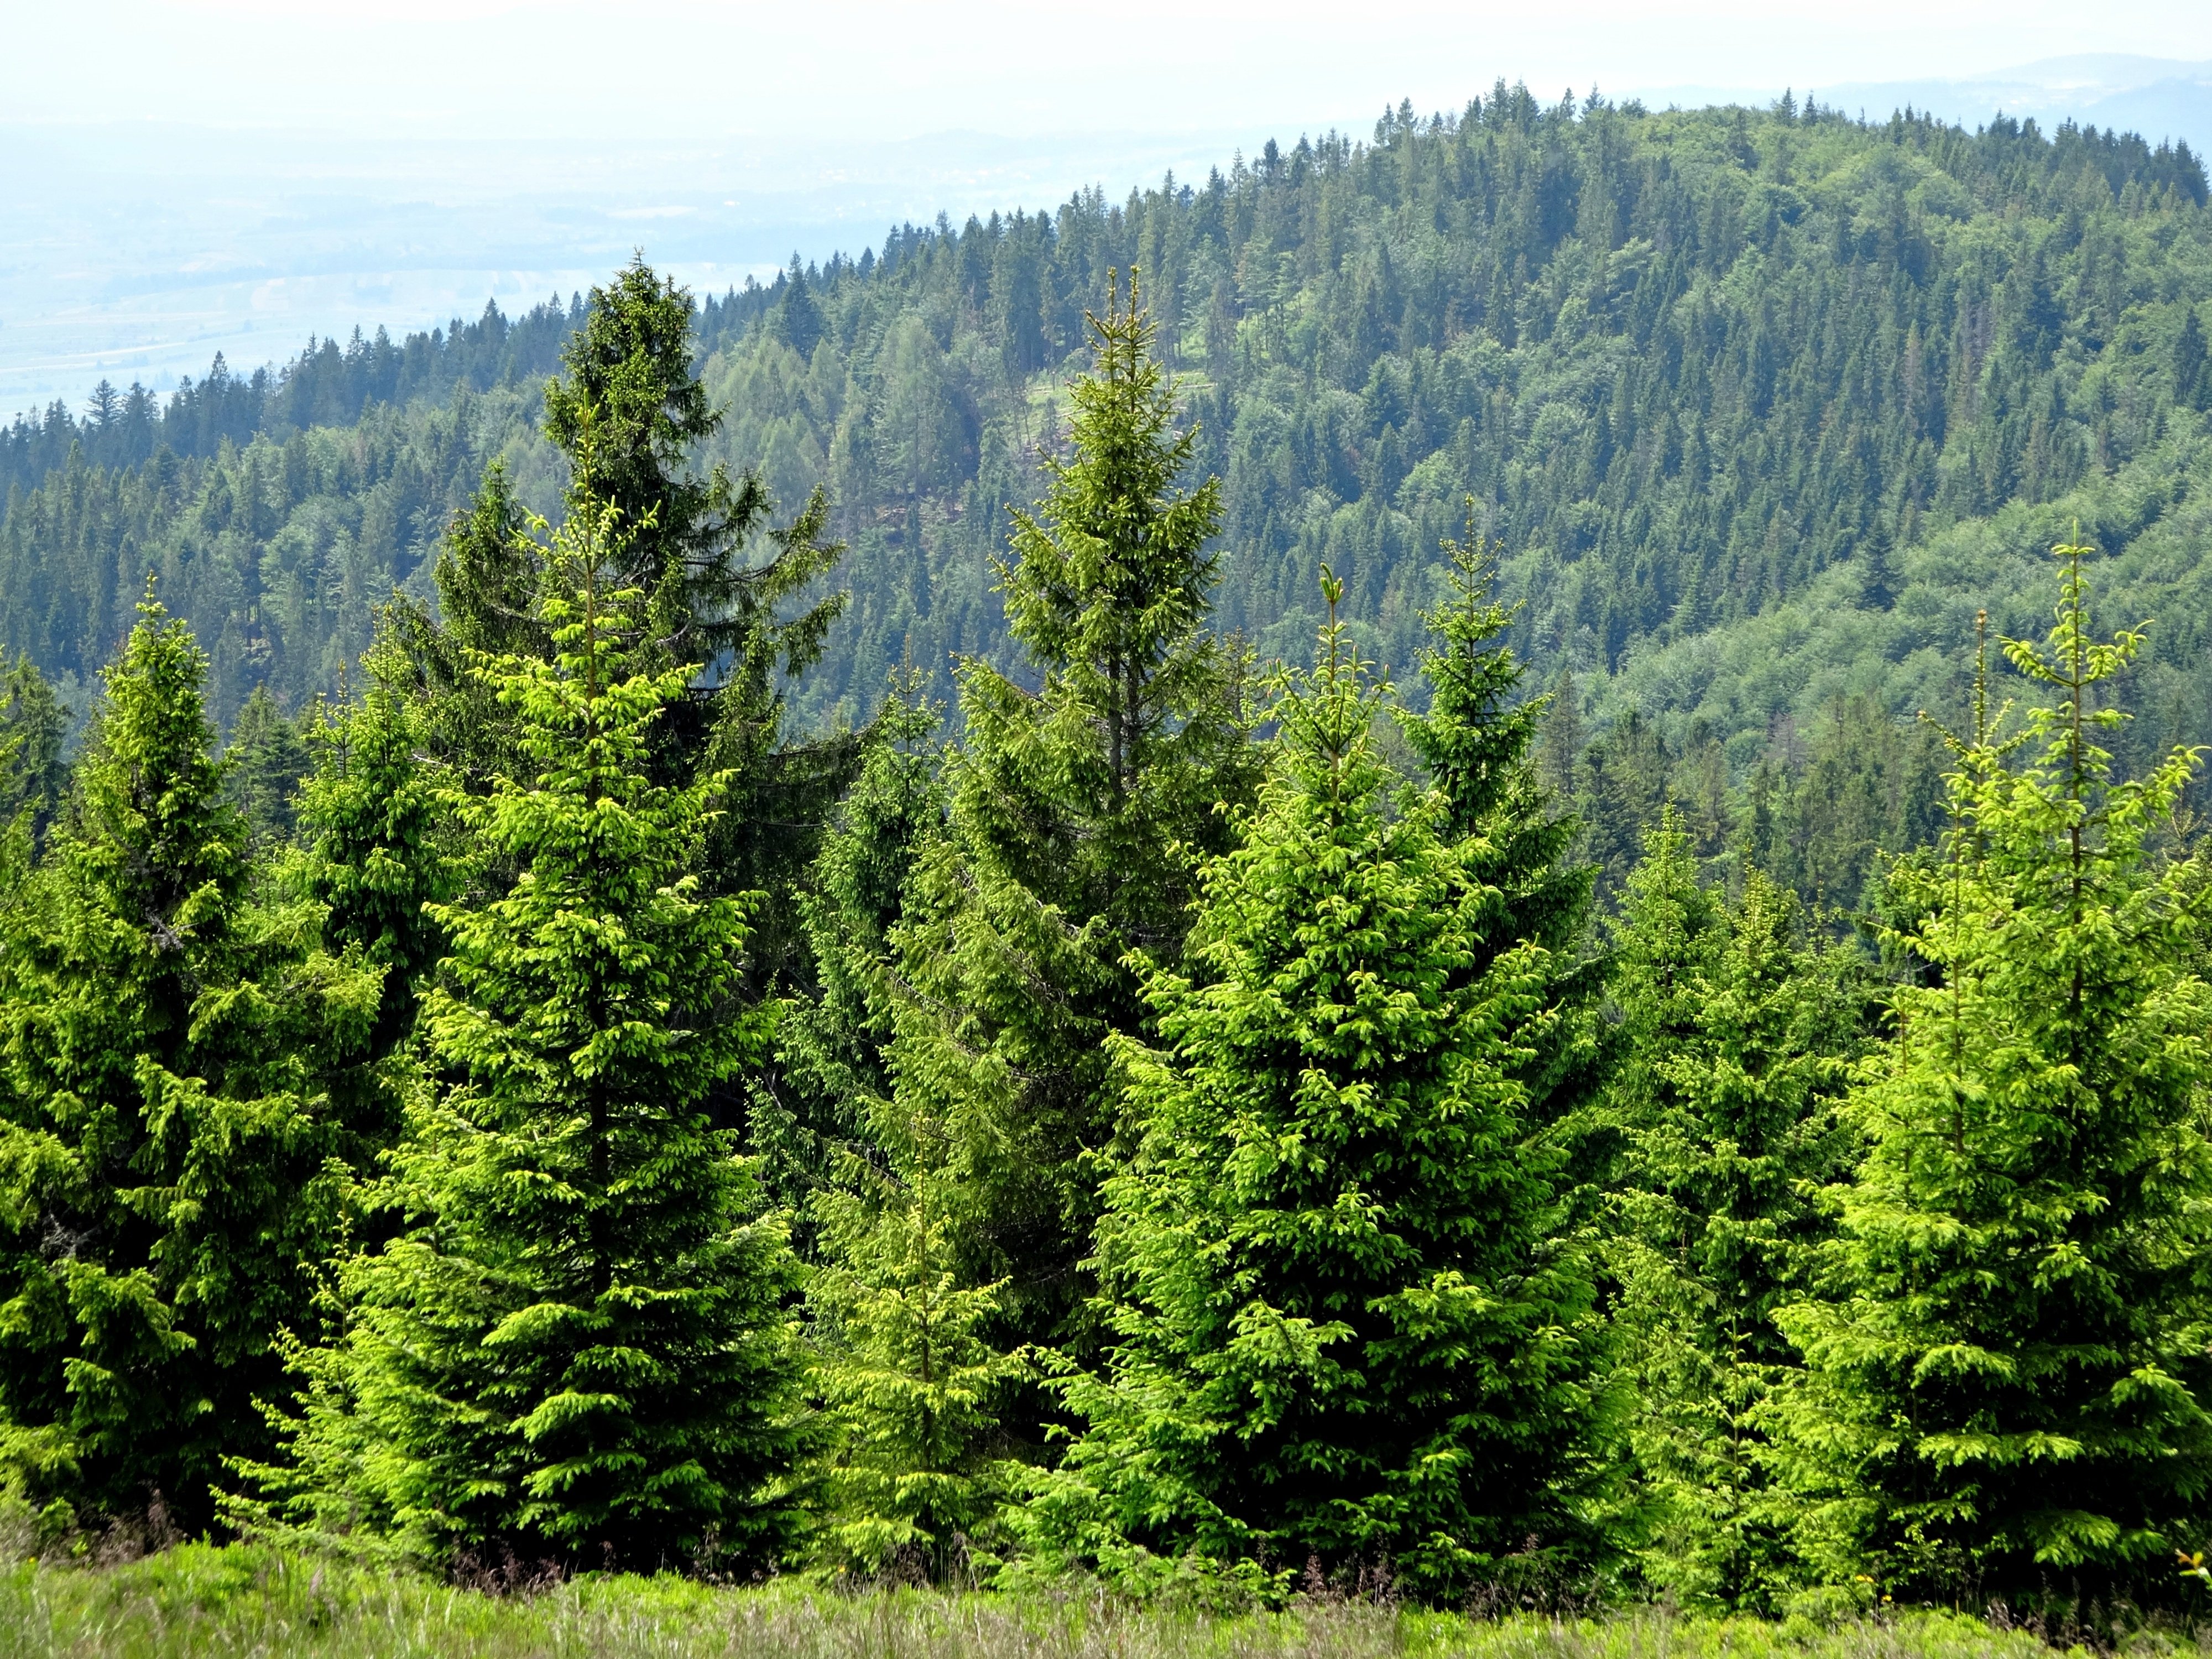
861 68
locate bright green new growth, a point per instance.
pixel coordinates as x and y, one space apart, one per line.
1349 1326
578 1349
915 1476
2008 1370
169 1140
1734 1037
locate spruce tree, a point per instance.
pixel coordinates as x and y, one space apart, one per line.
1076 811
375 811
833 1088
578 1348
2007 1370
631 392
264 762
1351 1322
1477 739
171 1050
1735 1038
913 1472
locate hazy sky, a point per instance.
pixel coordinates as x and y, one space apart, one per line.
623 71
185 177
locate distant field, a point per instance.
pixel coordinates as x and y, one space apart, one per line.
247 1601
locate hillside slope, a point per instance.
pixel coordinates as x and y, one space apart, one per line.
1762 406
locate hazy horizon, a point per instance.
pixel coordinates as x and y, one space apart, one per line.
191 176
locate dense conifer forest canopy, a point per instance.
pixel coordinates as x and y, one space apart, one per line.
1405 873
1764 406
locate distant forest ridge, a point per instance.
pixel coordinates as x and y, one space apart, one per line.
331 384
1760 407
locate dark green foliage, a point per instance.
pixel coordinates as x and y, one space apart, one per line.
1349 1322
578 1346
171 1131
2192 383
1075 812
834 1087
33 725
2006 1368
1734 1039
264 764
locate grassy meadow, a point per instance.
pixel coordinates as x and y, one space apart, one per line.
246 1599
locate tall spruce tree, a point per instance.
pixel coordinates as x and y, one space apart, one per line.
170 1134
1076 809
1351 1324
832 1088
1736 1035
632 390
578 1348
1477 738
2008 1372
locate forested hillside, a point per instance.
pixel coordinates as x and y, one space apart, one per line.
540 1035
1763 407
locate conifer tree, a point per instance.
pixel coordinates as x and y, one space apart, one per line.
264 762
375 811
578 1348
833 1088
1477 741
631 385
912 1466
914 1472
33 725
170 1050
1351 1322
1736 1037
1076 810
2007 1369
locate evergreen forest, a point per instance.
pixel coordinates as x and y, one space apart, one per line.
1466 868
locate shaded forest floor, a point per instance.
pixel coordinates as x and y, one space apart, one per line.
198 1599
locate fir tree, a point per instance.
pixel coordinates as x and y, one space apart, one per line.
1476 740
2192 380
1880 580
1735 1038
2007 1370
1075 811
1351 1322
577 1347
171 1137
833 1088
